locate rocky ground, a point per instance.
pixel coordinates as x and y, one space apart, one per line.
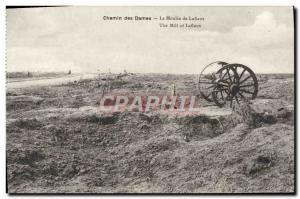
59 142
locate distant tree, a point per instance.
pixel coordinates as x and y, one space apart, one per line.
69 72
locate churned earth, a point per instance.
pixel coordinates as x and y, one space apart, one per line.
59 141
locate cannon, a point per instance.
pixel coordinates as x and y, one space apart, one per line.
225 84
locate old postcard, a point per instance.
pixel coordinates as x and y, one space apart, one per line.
169 100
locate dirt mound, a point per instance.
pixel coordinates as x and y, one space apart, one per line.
154 153
62 145
29 124
265 111
22 102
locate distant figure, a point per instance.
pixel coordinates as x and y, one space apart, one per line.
29 74
69 72
174 90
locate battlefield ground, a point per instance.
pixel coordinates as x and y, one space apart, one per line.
58 141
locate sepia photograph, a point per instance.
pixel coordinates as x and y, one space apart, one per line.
150 100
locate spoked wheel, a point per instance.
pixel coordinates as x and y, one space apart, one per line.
236 82
208 79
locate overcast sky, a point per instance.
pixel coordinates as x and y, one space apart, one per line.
77 38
